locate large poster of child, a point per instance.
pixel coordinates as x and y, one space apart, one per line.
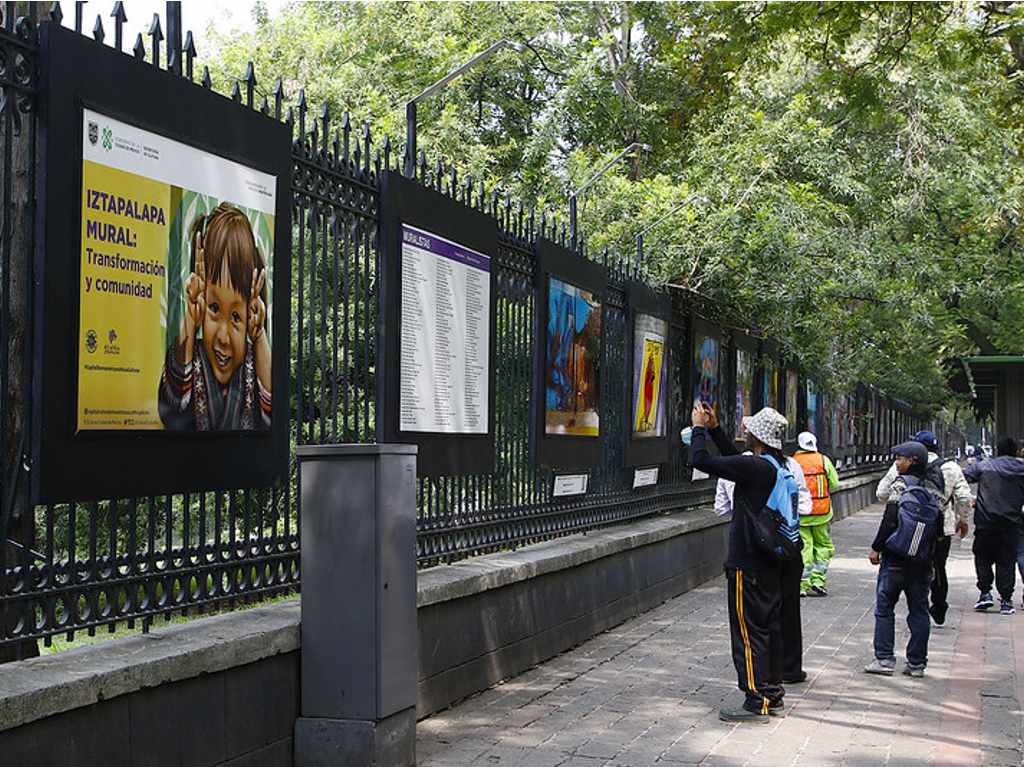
176 279
649 376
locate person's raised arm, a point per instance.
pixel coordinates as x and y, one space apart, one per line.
731 467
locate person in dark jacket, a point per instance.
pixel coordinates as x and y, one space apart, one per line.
898 575
997 522
753 577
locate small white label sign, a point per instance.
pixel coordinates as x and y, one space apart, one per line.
570 484
645 477
698 475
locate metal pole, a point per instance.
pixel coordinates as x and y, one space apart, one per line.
410 139
410 106
590 182
572 221
174 36
639 253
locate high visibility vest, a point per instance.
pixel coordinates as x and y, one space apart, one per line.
813 465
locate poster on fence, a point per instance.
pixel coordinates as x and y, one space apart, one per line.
446 334
705 369
648 381
176 275
649 374
569 338
572 391
439 293
162 299
745 360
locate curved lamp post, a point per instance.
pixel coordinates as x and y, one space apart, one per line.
410 106
679 205
635 146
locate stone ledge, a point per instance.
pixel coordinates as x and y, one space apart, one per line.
492 571
52 684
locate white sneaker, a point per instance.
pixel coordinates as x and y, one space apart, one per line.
881 667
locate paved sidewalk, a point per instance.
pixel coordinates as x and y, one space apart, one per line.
648 691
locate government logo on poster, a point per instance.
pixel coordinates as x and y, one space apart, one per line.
94 133
90 341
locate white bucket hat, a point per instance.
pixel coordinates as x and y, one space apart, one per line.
807 441
768 425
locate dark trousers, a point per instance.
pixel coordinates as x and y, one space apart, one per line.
996 546
895 578
754 604
791 631
940 583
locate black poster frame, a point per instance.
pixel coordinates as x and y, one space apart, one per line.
77 73
405 201
653 451
563 452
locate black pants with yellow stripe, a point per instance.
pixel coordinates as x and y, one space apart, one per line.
754 605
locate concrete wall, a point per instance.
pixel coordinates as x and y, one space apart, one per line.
225 690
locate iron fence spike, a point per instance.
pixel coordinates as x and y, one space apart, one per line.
190 54
140 48
56 14
207 81
97 30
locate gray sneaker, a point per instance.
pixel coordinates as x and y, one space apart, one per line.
915 671
883 667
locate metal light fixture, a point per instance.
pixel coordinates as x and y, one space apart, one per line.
635 146
678 206
410 106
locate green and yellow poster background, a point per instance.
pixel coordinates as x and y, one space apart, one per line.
136 258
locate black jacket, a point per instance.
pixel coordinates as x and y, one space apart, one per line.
754 478
1000 491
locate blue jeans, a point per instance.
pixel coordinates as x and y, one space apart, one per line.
912 580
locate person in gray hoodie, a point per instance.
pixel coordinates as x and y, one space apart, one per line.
998 520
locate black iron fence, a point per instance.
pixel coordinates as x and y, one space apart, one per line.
83 566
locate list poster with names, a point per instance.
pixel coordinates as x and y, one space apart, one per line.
445 335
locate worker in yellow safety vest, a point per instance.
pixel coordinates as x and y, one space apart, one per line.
822 480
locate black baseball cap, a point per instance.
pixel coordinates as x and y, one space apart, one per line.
912 449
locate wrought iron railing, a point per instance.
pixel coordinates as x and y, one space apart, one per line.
80 567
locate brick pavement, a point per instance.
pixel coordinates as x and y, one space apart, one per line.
648 691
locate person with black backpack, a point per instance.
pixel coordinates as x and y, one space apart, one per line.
763 533
903 547
945 479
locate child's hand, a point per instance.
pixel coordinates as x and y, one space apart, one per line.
195 292
874 557
257 309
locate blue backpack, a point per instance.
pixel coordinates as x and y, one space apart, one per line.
777 526
918 523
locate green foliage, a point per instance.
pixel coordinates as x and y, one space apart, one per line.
856 165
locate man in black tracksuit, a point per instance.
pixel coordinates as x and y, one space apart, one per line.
997 522
753 577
